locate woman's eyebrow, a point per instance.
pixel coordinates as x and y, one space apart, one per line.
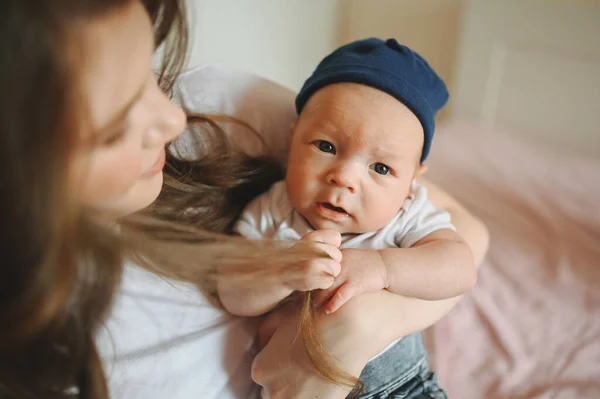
122 115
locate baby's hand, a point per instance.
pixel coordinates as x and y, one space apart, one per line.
363 271
320 271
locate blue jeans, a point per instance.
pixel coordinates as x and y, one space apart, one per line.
401 372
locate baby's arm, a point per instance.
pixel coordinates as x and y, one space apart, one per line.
439 266
433 263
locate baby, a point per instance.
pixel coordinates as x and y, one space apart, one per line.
365 128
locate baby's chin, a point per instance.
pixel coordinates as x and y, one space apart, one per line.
341 227
350 227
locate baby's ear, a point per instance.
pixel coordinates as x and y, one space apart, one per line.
421 170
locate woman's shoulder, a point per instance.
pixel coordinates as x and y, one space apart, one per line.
264 105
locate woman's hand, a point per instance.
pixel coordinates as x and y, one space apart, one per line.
352 335
282 367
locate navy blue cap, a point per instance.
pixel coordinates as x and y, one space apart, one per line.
389 67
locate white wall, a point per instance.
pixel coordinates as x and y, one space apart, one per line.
281 40
431 27
284 40
533 67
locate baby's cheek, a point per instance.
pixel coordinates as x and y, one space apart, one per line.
299 183
379 211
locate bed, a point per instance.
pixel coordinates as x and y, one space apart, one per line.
531 326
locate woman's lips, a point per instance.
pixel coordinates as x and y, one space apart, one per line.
157 167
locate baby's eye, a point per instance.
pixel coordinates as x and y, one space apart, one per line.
381 169
325 146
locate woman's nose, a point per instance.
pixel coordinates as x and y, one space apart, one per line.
169 122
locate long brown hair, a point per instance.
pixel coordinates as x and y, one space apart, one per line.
60 270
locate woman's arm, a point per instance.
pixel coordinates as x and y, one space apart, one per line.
353 335
472 230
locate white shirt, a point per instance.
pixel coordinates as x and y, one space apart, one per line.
165 340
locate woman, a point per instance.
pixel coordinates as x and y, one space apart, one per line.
83 127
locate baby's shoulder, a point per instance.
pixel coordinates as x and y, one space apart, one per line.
417 200
275 202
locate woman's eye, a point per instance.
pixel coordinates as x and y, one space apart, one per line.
114 138
381 169
325 146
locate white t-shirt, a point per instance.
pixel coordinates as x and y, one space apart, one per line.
271 215
162 339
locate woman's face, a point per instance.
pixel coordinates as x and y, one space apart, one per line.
118 166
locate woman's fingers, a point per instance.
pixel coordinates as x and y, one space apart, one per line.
319 273
332 251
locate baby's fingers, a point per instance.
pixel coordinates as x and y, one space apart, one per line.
343 295
323 296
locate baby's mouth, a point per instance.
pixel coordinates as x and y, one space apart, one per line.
331 212
333 208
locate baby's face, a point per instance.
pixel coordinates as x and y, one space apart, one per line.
354 153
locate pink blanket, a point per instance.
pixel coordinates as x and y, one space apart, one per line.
531 327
